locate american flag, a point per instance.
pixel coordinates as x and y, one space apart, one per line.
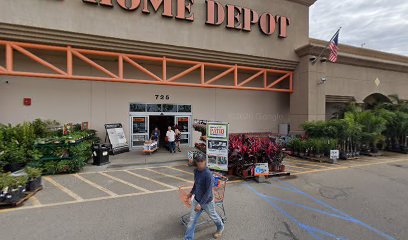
334 47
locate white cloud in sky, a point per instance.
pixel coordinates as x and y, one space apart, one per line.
379 24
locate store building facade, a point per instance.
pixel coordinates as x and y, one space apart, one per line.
153 63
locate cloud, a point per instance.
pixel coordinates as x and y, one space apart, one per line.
378 24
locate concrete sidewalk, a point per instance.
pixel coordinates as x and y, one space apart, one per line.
139 158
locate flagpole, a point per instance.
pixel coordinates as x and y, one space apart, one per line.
324 49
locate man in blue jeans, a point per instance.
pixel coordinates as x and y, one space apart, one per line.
203 200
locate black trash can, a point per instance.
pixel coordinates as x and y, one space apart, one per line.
100 154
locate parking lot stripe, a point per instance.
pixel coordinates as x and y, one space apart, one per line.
35 201
95 185
297 167
353 166
293 171
150 179
124 182
307 163
170 176
136 168
98 198
64 189
190 173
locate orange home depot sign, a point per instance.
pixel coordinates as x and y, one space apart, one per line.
217 14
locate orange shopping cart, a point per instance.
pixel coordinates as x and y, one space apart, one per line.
220 182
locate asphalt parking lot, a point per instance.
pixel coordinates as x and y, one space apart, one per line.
358 199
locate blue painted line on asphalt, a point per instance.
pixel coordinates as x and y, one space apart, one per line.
311 230
307 207
313 198
282 188
350 218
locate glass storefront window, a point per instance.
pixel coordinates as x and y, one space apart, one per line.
169 108
139 125
154 108
182 123
137 107
184 108
139 140
184 139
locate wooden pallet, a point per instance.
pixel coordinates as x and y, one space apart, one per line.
22 200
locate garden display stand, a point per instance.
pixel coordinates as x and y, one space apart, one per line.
22 200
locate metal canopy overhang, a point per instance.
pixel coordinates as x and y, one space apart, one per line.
132 59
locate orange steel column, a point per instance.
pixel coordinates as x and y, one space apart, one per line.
291 83
9 57
164 69
236 75
69 61
202 73
120 66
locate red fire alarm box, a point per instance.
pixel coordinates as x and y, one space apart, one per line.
27 101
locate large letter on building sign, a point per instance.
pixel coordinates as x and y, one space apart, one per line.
215 13
283 22
107 3
184 6
167 8
267 24
129 5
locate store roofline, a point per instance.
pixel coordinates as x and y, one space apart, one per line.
304 2
358 56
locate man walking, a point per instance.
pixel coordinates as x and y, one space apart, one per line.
203 200
171 137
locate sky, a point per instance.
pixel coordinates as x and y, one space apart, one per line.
376 24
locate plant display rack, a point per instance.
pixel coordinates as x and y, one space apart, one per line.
65 154
65 144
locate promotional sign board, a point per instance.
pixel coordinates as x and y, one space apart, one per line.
334 155
217 130
261 169
217 146
117 138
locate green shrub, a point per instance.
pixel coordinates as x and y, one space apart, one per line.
33 173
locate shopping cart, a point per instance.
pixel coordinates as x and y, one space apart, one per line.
218 193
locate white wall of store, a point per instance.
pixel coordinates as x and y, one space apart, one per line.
100 103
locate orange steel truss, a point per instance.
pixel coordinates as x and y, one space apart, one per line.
132 60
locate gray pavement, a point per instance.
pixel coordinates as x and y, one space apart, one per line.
360 199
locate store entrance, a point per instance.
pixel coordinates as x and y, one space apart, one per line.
162 123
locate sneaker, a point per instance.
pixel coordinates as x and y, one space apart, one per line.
217 234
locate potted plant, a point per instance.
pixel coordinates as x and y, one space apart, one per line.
282 168
302 148
34 179
14 188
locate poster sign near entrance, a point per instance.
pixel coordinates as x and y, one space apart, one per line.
261 169
117 138
217 130
217 146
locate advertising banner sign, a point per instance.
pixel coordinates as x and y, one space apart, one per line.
117 138
261 169
217 146
217 130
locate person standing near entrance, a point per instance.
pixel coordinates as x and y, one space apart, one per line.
178 138
171 137
203 200
155 135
